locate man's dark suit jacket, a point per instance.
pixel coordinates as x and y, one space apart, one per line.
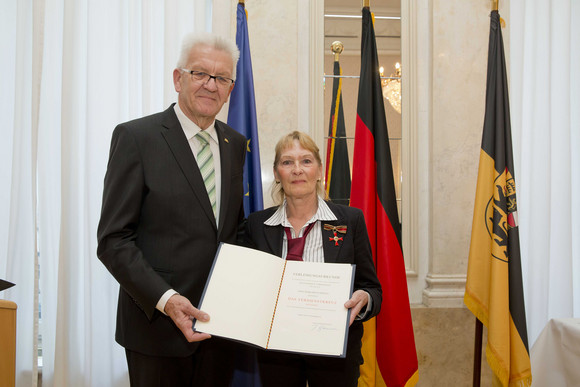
157 229
354 248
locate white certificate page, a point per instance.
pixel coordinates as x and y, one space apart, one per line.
241 294
310 316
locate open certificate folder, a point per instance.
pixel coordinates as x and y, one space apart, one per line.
258 298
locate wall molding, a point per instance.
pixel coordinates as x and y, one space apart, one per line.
409 127
316 72
444 290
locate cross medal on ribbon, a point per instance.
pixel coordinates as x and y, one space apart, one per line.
335 229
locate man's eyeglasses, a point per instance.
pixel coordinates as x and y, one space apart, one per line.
200 76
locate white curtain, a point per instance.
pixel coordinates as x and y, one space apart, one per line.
72 70
544 40
17 191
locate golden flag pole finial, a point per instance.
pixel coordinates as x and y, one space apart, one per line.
495 7
241 2
337 47
366 3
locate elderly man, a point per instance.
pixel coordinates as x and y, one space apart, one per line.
173 190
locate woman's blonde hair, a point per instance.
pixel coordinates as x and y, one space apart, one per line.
286 142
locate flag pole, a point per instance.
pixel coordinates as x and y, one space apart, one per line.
366 3
477 353
241 2
478 325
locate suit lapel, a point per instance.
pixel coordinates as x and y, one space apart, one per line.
331 250
274 238
181 150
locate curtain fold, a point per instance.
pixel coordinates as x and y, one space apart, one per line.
545 90
77 68
18 256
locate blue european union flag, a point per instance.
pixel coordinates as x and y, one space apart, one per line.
242 116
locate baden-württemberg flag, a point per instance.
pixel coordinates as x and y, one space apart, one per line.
337 165
494 291
242 116
390 358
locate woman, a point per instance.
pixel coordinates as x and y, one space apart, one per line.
330 233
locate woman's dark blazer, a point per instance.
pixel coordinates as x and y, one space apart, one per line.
354 248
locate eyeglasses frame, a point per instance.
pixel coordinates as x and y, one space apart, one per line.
214 77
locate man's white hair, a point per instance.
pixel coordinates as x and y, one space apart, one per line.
218 42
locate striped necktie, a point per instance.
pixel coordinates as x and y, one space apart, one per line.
205 163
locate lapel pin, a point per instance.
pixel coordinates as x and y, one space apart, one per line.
226 140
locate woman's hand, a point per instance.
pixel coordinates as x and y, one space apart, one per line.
356 303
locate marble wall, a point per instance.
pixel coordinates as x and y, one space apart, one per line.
280 43
459 43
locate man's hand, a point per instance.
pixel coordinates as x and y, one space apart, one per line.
358 301
182 313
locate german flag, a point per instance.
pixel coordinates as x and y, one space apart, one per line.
388 342
337 164
494 291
